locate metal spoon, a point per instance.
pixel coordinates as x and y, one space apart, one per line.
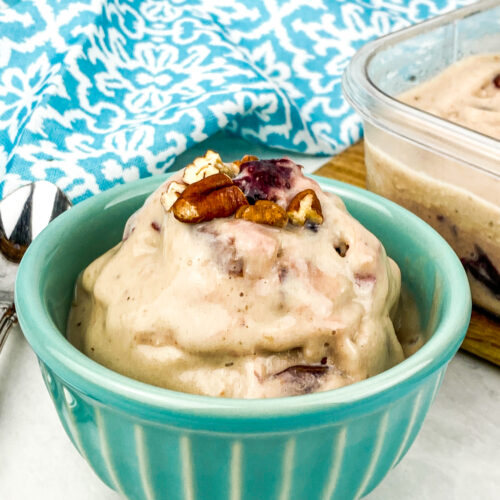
23 214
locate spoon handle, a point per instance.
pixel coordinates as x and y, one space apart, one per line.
7 319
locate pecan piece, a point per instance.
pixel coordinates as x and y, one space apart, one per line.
205 166
245 159
202 167
210 198
263 212
169 197
305 206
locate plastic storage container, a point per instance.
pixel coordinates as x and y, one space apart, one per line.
447 174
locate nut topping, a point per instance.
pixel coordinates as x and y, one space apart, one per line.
231 169
305 206
208 192
202 167
169 197
245 159
263 212
205 186
210 198
205 166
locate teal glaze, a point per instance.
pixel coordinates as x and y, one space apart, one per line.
151 443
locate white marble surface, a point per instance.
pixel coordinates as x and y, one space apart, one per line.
456 455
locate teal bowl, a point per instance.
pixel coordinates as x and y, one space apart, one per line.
151 443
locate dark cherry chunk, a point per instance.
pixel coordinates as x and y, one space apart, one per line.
303 379
300 370
155 226
483 270
496 81
266 179
282 273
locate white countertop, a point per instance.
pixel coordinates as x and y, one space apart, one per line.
456 456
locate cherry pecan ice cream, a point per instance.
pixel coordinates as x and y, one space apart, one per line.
459 202
243 280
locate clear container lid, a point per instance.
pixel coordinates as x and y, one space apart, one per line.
391 65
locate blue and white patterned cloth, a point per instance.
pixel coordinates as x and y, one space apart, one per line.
95 92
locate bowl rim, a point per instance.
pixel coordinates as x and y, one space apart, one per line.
107 386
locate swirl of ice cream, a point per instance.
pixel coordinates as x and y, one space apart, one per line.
466 93
235 308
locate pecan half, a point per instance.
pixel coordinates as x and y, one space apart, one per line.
205 186
305 206
263 212
210 198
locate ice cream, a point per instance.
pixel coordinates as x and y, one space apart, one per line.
463 207
242 280
467 93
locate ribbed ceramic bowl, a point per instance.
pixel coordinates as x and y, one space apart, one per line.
151 443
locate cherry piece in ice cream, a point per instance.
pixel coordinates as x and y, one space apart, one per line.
266 179
483 270
496 81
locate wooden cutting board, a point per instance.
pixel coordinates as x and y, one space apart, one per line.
483 335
